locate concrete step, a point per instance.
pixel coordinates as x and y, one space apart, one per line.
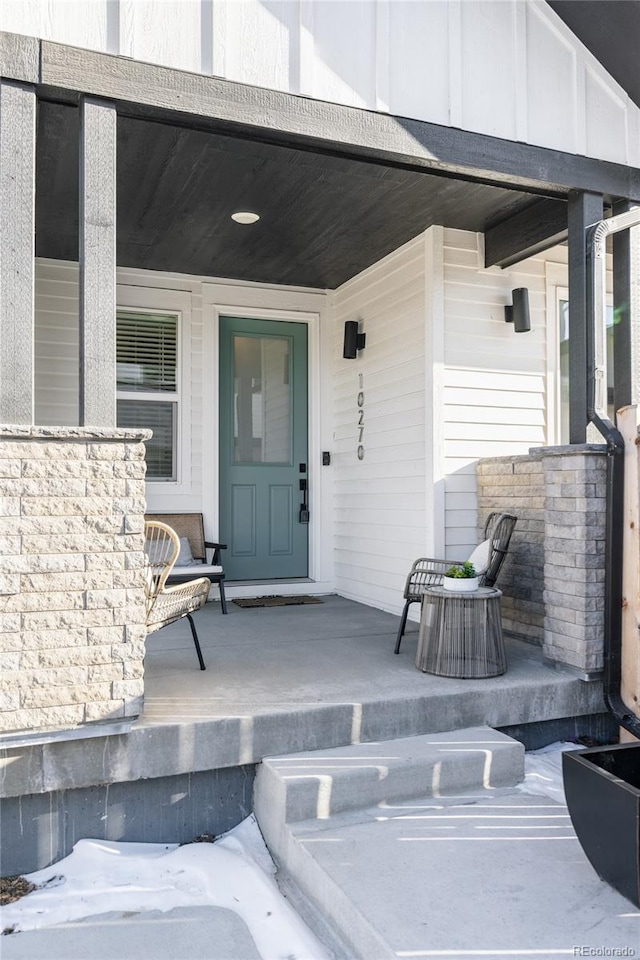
319 784
307 802
501 876
468 868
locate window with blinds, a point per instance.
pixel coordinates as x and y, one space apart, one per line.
147 385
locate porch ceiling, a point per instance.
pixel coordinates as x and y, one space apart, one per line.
323 218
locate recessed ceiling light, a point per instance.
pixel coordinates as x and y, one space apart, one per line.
245 216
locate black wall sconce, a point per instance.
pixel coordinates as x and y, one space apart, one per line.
518 314
353 341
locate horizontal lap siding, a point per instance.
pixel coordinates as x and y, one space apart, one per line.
495 381
56 335
57 362
379 502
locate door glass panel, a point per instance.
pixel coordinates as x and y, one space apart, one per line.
262 400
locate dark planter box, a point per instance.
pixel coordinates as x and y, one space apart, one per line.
602 787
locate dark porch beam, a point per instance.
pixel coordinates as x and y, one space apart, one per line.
174 96
584 209
97 263
541 225
17 251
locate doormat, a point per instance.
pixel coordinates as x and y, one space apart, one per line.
277 601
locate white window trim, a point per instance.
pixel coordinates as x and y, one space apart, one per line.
178 303
558 290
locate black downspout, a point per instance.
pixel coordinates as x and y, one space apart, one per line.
614 529
613 586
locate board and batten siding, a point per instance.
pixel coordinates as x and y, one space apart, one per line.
509 68
379 501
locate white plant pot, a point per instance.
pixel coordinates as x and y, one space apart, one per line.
456 585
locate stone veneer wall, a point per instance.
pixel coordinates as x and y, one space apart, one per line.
553 578
516 485
574 542
72 613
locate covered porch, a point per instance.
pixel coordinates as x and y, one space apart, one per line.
319 675
279 680
166 160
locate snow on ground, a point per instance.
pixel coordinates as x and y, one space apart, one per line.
543 771
236 872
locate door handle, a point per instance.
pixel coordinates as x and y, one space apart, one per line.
303 516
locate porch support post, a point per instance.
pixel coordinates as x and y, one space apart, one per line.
97 228
17 250
583 210
626 304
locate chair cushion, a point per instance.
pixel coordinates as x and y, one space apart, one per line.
481 557
185 557
196 570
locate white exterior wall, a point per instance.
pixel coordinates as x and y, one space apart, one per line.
499 388
495 388
380 502
510 68
446 381
199 301
57 358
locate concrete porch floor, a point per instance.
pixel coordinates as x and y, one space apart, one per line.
319 675
283 680
279 680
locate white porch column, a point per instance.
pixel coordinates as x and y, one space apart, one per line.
17 250
97 228
435 529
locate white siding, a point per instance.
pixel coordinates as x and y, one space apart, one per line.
445 382
379 502
56 325
510 68
57 378
498 386
430 411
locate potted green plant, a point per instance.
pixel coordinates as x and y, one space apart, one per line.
461 578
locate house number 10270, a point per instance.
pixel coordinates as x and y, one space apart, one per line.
360 450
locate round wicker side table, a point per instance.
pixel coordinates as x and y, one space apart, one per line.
461 634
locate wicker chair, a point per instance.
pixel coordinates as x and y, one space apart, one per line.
191 526
427 572
165 604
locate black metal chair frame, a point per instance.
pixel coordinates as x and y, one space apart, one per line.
166 604
427 572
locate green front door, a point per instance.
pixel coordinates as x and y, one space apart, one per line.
263 448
